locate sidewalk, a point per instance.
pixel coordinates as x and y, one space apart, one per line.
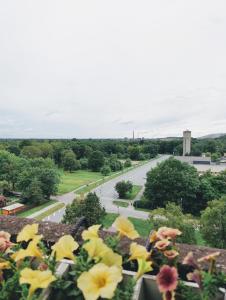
37 213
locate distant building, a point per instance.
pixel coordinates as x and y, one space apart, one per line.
13 209
186 142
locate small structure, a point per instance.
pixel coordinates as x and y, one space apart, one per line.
186 142
12 209
2 201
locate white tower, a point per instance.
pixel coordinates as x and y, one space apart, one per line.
186 142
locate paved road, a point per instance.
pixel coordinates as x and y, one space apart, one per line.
107 193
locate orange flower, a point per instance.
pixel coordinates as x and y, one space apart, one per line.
209 257
171 254
167 279
168 233
161 245
153 237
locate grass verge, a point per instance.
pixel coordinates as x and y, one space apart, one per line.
136 189
121 203
49 212
32 210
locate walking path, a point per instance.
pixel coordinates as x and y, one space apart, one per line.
107 194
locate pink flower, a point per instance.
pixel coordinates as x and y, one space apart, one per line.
209 257
5 235
4 244
171 254
195 276
167 279
190 261
168 233
161 245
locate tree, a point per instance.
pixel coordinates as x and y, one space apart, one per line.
69 161
123 188
105 170
134 152
33 193
172 216
173 181
4 187
89 207
84 163
31 151
96 161
213 223
127 163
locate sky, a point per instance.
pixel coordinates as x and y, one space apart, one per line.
101 68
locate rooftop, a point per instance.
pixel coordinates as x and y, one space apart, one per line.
13 206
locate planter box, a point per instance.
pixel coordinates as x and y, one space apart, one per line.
146 287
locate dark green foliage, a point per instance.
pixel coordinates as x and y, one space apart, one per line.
96 161
84 163
105 170
173 181
32 194
172 216
69 161
128 163
90 208
213 223
142 204
123 188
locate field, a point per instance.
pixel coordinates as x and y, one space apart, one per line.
72 181
142 226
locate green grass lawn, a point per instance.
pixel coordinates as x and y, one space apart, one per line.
50 211
142 226
72 181
121 203
29 212
136 189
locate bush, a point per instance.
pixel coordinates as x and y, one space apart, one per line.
89 207
123 188
142 204
84 163
213 223
105 170
172 216
128 163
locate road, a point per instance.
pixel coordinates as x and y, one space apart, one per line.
107 194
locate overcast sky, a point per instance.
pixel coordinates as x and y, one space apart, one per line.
101 68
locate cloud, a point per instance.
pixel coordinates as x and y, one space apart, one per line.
104 69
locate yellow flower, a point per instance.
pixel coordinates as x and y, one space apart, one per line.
37 279
99 281
111 258
4 264
65 247
96 248
143 267
138 251
32 250
125 228
91 233
27 233
153 237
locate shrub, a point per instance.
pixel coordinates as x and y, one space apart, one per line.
123 188
128 163
213 223
105 170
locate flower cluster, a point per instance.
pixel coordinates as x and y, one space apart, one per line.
28 267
